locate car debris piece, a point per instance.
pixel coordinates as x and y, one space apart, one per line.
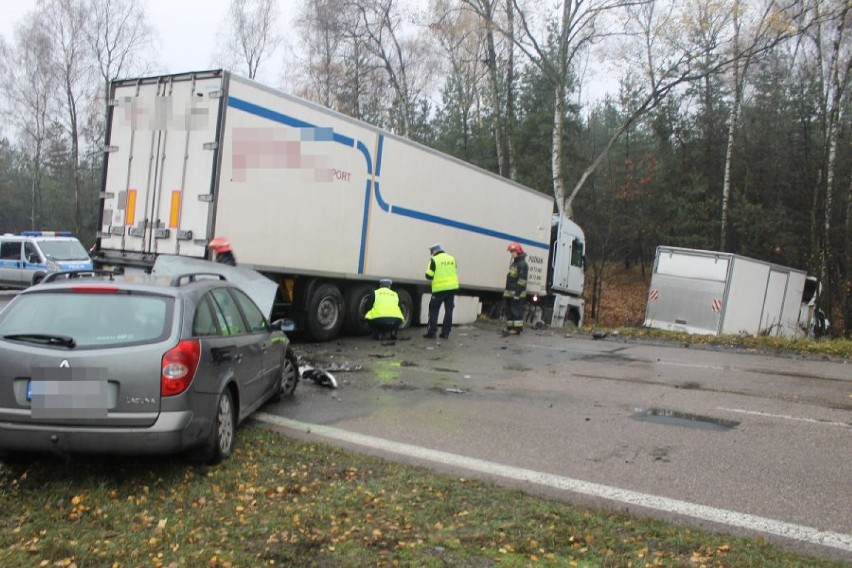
319 376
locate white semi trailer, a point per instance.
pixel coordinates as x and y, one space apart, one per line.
321 203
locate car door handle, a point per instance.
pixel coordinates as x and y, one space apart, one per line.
221 354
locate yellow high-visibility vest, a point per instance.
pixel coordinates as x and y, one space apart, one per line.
445 276
385 305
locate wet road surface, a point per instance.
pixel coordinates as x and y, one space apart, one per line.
747 434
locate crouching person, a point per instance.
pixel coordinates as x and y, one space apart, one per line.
383 314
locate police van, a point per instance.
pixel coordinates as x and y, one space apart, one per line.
26 258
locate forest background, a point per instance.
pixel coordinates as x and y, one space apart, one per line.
726 125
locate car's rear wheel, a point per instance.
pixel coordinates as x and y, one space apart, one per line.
221 442
288 378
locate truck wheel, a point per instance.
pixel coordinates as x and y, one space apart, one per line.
356 297
325 313
407 307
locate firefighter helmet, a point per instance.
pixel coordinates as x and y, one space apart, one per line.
219 245
516 248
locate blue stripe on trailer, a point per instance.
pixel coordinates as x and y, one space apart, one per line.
321 134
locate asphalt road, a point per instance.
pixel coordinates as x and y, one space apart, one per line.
735 441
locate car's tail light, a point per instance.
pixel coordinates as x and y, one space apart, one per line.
179 366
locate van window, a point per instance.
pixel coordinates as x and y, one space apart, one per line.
31 254
10 250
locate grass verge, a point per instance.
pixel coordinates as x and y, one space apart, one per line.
283 502
827 348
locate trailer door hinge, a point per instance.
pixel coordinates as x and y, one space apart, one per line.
184 235
211 145
206 197
109 149
161 233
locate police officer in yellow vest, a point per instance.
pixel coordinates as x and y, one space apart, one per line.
445 283
383 315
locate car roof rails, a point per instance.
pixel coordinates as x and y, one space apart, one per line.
71 274
193 277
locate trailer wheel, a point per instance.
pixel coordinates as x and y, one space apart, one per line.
407 307
356 297
325 313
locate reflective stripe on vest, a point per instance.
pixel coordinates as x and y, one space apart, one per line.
385 305
445 276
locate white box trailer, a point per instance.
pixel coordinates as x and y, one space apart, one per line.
322 203
717 293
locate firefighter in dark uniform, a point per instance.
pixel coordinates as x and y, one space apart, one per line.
383 314
515 293
222 248
444 276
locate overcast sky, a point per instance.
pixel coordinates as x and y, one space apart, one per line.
187 33
187 29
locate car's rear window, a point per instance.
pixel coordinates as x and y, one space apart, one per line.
91 319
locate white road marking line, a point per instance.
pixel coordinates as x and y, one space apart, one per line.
784 417
731 518
692 365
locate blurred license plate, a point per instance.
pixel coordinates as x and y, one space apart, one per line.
68 399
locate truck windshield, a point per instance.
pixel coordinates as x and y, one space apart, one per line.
69 249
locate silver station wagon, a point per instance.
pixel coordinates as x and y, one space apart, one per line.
97 363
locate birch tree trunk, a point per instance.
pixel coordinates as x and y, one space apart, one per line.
733 120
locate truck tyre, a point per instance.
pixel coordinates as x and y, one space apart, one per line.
325 313
407 307
356 297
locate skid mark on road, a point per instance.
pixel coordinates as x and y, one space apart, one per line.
785 417
799 533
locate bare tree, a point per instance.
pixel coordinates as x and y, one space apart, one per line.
500 89
580 23
29 93
459 33
669 59
250 36
760 26
831 45
65 21
404 55
117 33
